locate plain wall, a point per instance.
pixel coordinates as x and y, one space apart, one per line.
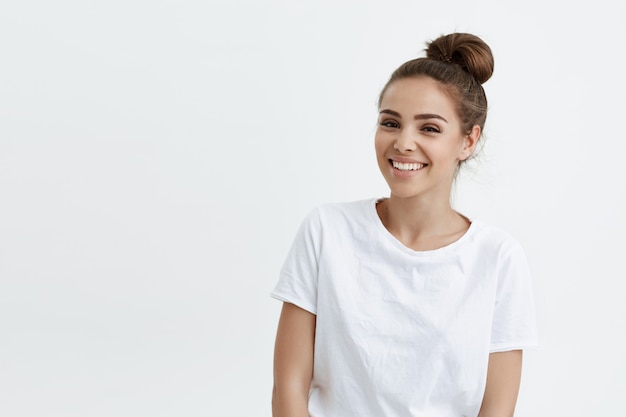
156 159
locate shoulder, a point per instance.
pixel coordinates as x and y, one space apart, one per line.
339 219
498 251
494 239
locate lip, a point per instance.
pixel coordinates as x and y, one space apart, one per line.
406 160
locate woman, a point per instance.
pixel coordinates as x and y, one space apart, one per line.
402 306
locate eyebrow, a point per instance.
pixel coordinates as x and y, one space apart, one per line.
423 116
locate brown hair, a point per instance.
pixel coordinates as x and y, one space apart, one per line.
461 62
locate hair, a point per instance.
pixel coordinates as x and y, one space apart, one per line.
461 63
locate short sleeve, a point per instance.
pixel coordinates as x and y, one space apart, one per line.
514 323
297 283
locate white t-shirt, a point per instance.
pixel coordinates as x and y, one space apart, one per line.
402 332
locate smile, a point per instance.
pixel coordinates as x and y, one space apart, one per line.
407 166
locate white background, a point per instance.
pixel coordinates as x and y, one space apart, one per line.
156 158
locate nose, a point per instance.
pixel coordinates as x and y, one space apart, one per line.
405 141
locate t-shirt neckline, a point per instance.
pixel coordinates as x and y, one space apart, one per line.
432 253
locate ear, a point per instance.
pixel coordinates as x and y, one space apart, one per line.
469 143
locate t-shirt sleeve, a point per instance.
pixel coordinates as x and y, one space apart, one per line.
514 323
297 283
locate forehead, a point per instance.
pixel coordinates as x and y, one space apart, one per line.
409 96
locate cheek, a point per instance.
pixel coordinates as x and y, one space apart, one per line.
379 146
452 148
383 140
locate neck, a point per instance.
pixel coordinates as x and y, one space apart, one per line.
421 223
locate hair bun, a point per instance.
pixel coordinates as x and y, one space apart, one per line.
466 50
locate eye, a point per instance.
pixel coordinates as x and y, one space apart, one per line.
389 123
431 129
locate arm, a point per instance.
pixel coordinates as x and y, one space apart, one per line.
293 362
503 379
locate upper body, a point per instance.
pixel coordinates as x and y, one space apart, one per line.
404 307
401 332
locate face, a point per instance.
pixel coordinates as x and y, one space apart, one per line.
419 141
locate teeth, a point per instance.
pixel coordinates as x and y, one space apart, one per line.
413 166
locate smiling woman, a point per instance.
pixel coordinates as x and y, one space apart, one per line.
402 305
